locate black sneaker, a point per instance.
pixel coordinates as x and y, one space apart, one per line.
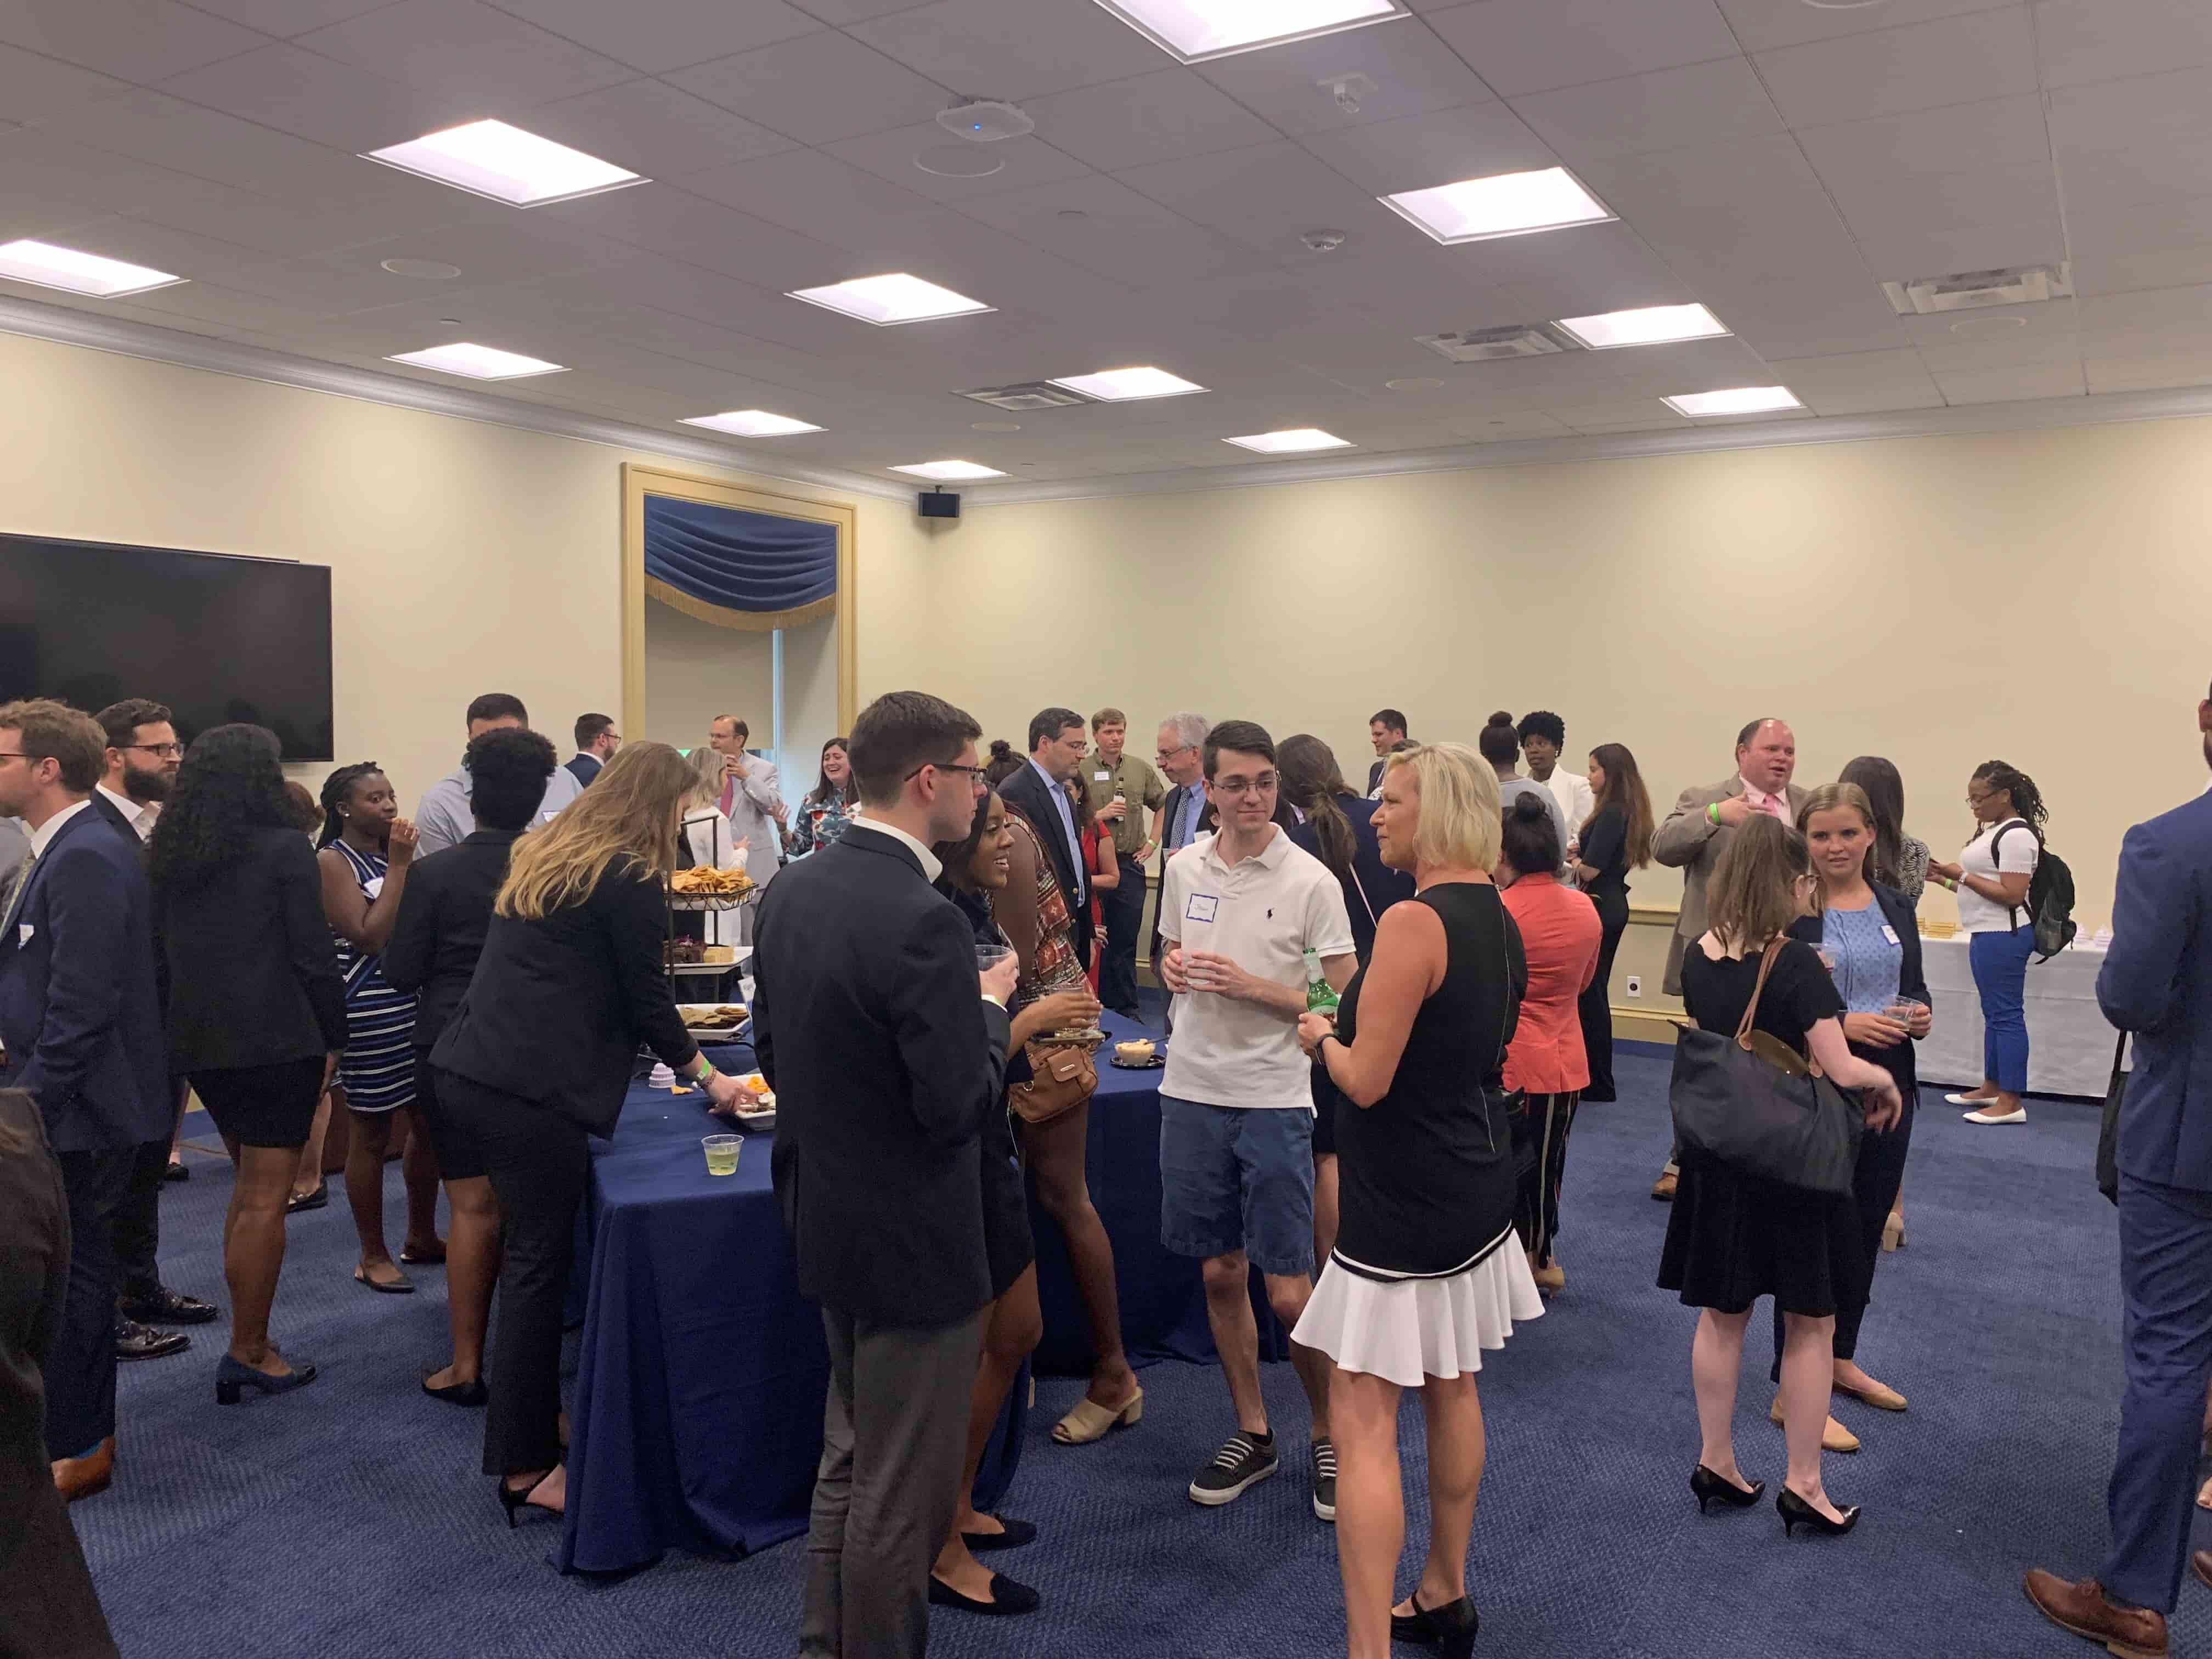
1324 1466
1243 1461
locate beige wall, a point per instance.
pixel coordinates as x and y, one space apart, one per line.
464 557
2037 596
696 672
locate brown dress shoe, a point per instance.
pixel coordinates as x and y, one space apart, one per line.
1663 1188
86 1476
2083 1608
2202 1562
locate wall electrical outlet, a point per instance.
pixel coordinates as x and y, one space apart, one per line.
1635 985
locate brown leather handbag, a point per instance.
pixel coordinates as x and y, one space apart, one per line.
1062 1075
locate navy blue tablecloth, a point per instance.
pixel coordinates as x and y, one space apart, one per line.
697 1417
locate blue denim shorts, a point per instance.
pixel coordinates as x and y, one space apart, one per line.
1237 1178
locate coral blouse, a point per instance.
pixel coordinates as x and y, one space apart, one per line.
1560 934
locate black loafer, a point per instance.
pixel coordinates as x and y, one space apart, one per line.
167 1307
1017 1534
176 1171
136 1341
1008 1599
458 1394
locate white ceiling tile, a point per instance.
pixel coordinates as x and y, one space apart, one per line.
1502 428
310 96
132 40
2050 341
2083 41
48 183
1413 72
841 12
2145 139
2158 372
1265 195
1576 273
1615 415
817 89
1440 148
1956 138
816 195
285 18
1762 25
1022 162
33 87
1902 256
164 131
1956 60
1532 45
1103 226
230 307
654 35
654 129
1012 48
2126 272
1853 370
1663 109
1148 118
672 221
2008 385
1831 404
1878 203
463 45
2116 324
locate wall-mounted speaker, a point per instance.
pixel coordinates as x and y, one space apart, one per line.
939 504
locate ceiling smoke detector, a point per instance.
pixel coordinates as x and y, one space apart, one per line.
1323 242
1967 290
1347 88
1486 345
986 120
1030 394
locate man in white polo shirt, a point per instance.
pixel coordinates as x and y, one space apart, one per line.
1238 911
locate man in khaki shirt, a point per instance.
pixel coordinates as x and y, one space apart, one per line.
1108 772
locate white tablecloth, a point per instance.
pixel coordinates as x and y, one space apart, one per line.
2069 1046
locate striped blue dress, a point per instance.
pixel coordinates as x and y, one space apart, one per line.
377 1069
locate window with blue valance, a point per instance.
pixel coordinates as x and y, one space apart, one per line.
738 569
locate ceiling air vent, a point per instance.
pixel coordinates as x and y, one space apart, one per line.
1969 290
1030 394
1483 345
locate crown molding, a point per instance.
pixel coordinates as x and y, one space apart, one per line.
65 326
2039 415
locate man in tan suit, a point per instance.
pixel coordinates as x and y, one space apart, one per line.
1703 823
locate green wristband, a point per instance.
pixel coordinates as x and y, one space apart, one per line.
705 1073
1713 815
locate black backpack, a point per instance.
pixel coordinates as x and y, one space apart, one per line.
2049 894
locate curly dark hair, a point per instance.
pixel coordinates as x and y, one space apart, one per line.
1541 723
2027 799
230 782
336 788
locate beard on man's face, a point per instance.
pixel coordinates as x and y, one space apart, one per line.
146 786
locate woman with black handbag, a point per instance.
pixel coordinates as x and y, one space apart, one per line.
1735 1236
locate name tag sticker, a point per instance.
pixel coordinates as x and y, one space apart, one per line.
1102 777
1202 908
1889 933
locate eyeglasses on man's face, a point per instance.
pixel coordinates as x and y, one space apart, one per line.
975 773
166 750
1164 756
1262 785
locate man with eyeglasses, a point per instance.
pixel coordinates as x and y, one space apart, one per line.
82 1023
1183 815
143 756
1239 910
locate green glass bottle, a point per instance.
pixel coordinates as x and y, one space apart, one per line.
1321 995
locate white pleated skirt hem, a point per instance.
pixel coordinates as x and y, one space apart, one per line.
1411 1328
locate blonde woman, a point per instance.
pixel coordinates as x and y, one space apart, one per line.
709 844
1733 1237
537 1057
1425 1273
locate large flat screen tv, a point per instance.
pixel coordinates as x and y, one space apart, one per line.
217 639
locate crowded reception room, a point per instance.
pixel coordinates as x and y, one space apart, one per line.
1035 828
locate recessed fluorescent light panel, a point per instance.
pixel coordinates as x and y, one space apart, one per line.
1194 30
48 266
479 362
949 472
1649 325
1742 400
1294 440
1121 384
885 301
490 158
1504 205
752 423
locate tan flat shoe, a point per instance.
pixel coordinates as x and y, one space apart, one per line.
1893 1232
1881 1396
1552 1280
1834 1436
2204 1502
1087 1420
1663 1188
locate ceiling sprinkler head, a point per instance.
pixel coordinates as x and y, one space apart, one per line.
986 120
1347 88
1323 242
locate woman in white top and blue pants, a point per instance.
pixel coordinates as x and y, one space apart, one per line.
1992 881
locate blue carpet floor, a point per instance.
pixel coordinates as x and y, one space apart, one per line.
349 1520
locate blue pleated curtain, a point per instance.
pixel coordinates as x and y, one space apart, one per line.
738 569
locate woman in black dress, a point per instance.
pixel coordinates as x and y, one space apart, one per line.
1426 1274
1732 1237
976 871
1617 837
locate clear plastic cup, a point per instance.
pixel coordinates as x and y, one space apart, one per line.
1903 1010
722 1153
988 957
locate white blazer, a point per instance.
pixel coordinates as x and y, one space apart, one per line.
1576 801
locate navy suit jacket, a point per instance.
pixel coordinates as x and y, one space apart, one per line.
78 1006
2157 983
583 769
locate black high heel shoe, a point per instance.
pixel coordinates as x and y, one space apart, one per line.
1449 1629
510 1500
232 1378
1710 1488
1796 1512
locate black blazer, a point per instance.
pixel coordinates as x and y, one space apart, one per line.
78 1007
1028 794
1375 774
885 1064
254 970
444 911
1912 981
558 1008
